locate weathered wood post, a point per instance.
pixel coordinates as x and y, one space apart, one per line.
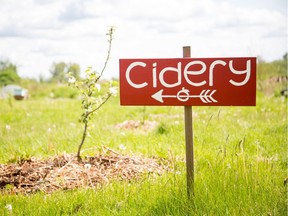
189 139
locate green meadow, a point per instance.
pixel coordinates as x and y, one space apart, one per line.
240 153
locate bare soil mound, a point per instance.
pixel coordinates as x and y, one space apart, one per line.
65 172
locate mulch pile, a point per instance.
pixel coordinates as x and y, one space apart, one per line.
65 172
136 124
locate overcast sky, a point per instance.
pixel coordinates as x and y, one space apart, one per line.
36 33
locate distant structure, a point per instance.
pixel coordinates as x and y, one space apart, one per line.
15 91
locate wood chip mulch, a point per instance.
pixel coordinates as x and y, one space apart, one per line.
65 172
136 124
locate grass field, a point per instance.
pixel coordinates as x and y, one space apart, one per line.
240 157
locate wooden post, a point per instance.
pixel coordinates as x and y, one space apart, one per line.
189 139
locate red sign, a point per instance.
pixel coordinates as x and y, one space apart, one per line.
188 82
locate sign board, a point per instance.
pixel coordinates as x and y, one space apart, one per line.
188 82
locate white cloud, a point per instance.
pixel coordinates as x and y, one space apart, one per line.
37 33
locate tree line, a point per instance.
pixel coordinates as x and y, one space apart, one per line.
58 72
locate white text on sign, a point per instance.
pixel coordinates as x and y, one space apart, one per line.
188 73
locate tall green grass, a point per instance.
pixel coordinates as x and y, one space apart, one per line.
240 157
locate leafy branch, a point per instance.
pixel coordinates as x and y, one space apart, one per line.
89 87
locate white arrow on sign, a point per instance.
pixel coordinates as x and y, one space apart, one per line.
183 95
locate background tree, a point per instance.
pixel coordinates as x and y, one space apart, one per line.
74 69
8 73
59 71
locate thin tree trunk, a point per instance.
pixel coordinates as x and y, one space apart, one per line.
82 141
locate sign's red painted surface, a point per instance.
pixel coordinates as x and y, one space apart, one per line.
188 82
